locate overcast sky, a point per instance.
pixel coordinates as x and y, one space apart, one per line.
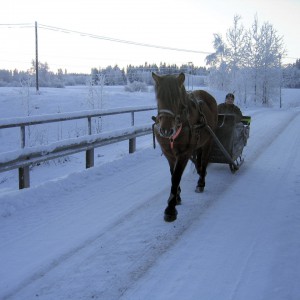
188 24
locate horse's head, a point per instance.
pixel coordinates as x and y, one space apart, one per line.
170 95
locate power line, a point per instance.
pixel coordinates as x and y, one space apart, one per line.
119 40
84 34
19 25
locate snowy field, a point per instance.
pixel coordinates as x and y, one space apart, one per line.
99 233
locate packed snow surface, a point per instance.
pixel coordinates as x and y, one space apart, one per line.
99 233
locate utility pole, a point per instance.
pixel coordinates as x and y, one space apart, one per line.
280 70
36 59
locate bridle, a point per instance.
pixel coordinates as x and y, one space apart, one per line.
177 127
178 121
166 112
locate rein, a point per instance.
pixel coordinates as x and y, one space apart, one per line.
174 136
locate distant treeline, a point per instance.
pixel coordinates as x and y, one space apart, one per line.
142 73
117 76
109 75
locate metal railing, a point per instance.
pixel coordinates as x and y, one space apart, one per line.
25 156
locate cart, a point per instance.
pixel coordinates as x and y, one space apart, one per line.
230 138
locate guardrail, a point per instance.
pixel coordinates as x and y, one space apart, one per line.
22 159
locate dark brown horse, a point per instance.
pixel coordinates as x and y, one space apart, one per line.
181 130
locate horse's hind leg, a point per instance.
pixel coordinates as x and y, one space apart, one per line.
201 166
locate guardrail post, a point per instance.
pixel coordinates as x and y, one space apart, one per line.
132 142
24 177
24 180
89 154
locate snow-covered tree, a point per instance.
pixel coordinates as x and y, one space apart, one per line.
218 77
266 52
237 58
217 58
250 59
291 75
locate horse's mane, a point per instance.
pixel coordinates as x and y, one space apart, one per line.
169 93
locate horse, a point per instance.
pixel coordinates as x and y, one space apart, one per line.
181 130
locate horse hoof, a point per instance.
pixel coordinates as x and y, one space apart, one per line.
170 218
199 189
170 215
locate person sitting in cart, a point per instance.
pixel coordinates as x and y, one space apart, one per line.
228 107
241 132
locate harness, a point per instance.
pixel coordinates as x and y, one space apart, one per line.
194 129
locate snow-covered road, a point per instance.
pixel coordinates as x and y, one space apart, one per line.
100 234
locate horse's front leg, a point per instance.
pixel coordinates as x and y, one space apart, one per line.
178 197
174 198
